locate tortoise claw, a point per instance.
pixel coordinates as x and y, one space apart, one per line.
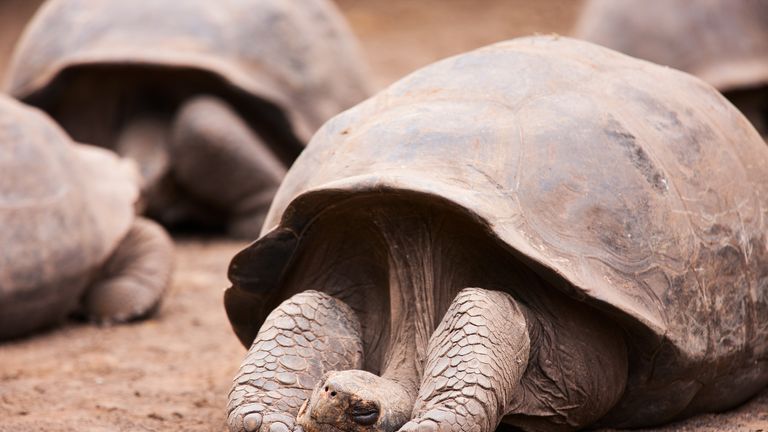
246 418
278 427
253 418
252 422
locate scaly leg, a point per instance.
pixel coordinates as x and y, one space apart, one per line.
475 360
132 282
221 161
306 336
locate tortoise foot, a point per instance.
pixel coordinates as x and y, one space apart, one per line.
475 360
221 161
133 281
306 336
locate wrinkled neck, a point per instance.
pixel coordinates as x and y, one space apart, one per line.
398 403
422 283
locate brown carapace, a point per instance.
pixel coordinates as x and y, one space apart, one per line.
543 232
71 240
723 42
213 99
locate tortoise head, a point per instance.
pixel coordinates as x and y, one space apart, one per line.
355 400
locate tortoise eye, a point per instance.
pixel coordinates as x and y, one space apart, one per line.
364 413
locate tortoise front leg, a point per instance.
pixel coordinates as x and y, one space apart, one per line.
132 282
475 360
306 336
217 158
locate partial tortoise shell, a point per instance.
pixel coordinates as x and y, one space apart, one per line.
64 207
299 56
723 42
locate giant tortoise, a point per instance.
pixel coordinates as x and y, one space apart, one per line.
542 232
723 42
71 240
213 98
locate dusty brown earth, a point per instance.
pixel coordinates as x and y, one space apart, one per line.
173 372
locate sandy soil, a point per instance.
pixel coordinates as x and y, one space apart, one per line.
173 372
169 373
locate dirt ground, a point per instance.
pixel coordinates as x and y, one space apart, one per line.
173 372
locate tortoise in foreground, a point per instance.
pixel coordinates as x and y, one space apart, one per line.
723 42
71 240
542 232
213 99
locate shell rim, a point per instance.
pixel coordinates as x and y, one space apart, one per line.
258 86
296 219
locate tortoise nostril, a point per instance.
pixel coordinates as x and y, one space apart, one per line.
328 388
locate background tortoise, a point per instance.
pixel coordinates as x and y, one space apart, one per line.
722 42
542 232
227 93
71 239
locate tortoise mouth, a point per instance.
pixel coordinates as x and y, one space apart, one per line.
364 413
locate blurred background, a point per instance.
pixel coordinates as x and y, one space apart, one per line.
174 372
14 14
401 35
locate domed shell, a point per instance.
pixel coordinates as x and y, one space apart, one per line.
64 207
635 188
720 41
298 55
